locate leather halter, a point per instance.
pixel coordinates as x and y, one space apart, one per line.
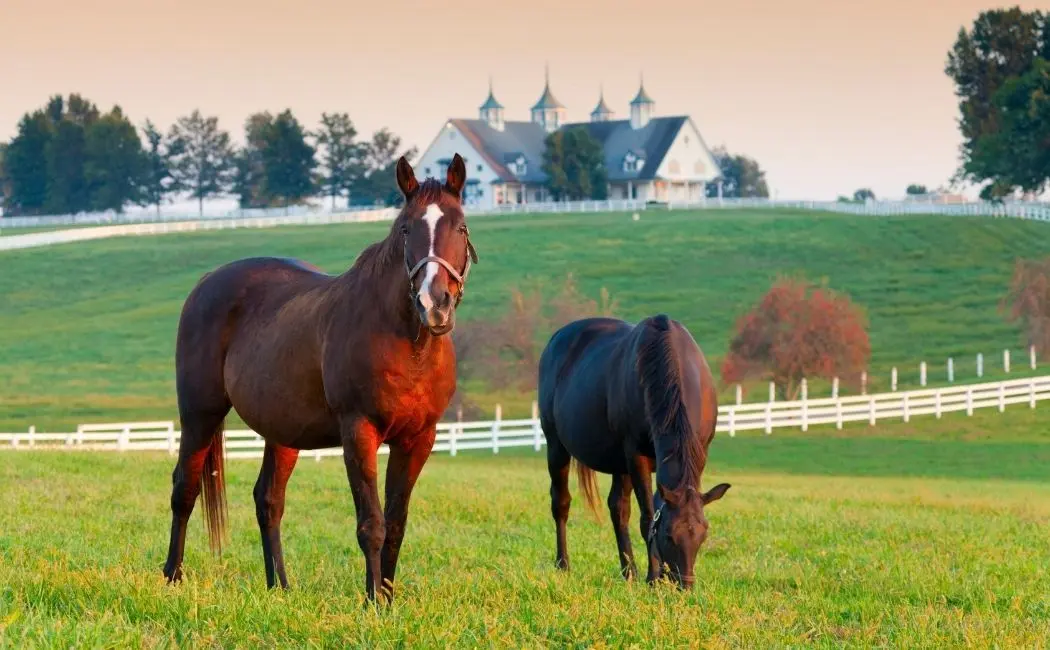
461 280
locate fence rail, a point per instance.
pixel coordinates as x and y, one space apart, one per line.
496 434
114 225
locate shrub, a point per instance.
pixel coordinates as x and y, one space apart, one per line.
798 330
1028 301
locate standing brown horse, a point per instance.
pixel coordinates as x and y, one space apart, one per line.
624 399
309 361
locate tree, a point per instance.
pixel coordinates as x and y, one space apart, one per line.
203 158
157 181
574 162
916 190
1017 154
5 187
1028 302
863 195
1002 44
288 159
67 188
25 163
373 177
798 331
742 177
114 162
341 154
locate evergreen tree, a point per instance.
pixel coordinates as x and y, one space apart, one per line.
25 164
157 181
575 165
288 160
341 154
202 161
115 164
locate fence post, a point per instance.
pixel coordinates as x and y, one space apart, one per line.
171 438
951 371
1031 356
495 429
536 426
980 364
1006 361
732 421
907 415
893 379
739 394
1031 394
937 403
32 427
838 412
805 406
122 441
835 387
1002 397
871 410
864 383
455 431
317 455
769 408
922 374
969 400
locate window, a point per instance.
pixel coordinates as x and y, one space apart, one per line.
480 168
685 140
674 168
700 167
633 162
426 170
539 196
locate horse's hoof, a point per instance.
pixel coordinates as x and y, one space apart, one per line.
173 577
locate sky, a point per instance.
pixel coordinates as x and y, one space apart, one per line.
827 96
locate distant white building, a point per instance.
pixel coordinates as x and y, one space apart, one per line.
646 157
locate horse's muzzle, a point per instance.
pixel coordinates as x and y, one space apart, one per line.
440 317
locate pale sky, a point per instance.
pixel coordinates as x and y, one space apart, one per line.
828 96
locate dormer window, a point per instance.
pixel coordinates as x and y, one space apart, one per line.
520 166
633 163
516 163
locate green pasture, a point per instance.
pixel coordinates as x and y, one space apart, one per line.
87 330
925 535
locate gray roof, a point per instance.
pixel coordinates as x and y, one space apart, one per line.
617 137
502 147
651 142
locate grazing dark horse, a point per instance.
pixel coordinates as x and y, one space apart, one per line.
310 360
622 399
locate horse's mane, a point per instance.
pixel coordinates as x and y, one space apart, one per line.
376 259
660 373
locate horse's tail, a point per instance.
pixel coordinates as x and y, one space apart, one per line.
661 383
214 482
588 481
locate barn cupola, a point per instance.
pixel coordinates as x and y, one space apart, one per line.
641 107
548 112
491 112
601 112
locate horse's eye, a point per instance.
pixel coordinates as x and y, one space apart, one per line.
404 230
463 229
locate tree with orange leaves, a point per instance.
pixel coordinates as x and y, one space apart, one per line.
798 330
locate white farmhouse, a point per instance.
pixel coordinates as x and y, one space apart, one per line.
646 157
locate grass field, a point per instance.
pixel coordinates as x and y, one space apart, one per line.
899 537
87 330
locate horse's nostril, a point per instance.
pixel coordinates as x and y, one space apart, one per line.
446 300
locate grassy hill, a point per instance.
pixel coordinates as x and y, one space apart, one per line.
87 330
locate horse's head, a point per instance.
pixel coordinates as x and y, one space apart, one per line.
438 252
679 528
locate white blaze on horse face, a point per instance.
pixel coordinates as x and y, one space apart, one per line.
432 215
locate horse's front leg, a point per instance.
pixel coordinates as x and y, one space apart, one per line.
406 462
641 469
360 445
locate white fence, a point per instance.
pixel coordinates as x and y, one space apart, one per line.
145 224
497 434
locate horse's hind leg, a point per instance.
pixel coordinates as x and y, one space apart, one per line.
558 460
278 463
620 513
198 433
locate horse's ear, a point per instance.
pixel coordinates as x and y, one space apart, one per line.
456 176
406 178
715 493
